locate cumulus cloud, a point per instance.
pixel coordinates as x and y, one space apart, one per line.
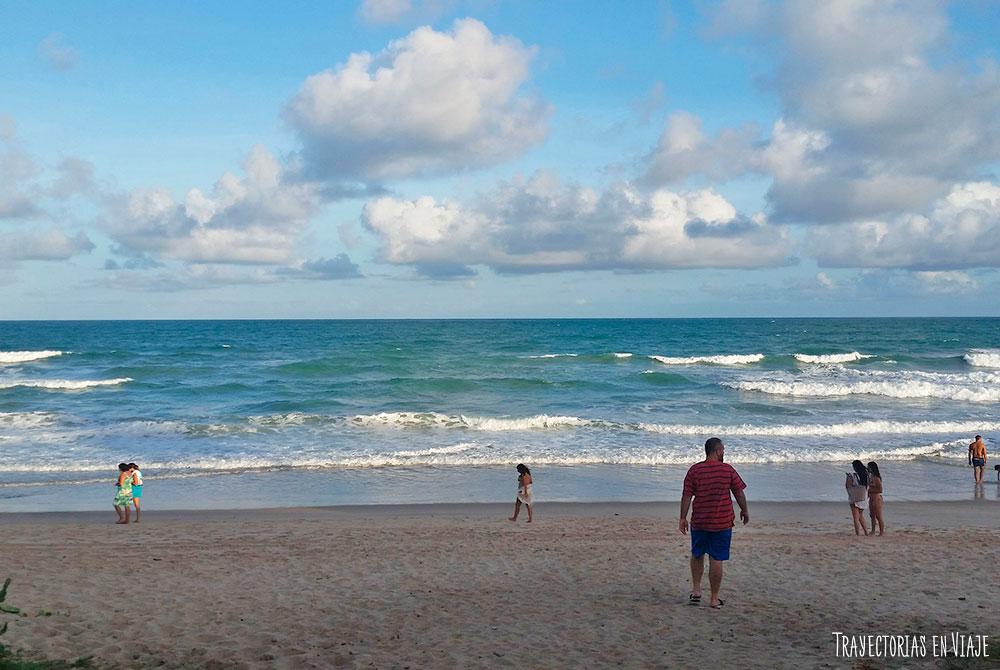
57 53
684 150
961 230
18 172
431 103
49 245
253 219
27 197
879 114
541 224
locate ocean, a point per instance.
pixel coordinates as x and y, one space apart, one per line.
276 413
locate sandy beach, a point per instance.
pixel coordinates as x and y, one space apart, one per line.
455 586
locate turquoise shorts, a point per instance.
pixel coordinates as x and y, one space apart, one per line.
137 491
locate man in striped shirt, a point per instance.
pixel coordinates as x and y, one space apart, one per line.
709 484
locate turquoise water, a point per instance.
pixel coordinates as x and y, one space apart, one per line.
412 402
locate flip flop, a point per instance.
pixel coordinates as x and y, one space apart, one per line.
694 599
719 605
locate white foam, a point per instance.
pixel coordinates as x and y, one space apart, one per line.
527 423
622 354
406 420
26 420
983 358
470 455
831 358
826 430
728 359
64 384
554 356
435 451
974 387
495 424
26 356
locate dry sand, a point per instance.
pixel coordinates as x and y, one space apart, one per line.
447 586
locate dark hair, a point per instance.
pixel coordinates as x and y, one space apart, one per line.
711 444
873 468
979 437
133 466
523 469
861 471
123 467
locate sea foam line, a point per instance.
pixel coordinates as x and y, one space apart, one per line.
466 455
63 384
728 359
831 358
26 356
901 390
545 421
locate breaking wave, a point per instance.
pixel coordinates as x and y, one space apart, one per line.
831 358
983 358
64 384
26 356
728 359
975 387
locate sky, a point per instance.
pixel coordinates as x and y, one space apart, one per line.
499 158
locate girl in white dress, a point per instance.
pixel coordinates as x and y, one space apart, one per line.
523 491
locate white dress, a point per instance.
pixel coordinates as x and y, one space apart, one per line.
524 494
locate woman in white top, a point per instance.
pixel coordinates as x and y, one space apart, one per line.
857 495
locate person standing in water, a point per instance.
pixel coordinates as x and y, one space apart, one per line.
523 492
977 458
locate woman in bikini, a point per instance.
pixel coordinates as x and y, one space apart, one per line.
875 497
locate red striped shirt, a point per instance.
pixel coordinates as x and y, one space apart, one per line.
710 483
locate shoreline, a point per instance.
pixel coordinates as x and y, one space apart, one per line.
291 488
927 514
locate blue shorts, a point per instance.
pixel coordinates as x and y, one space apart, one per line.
715 543
137 491
978 462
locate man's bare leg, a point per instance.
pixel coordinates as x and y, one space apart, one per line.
697 570
714 579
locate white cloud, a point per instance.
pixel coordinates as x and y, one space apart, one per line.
384 11
432 102
881 114
56 52
49 245
541 225
18 172
824 281
947 282
254 219
684 150
961 230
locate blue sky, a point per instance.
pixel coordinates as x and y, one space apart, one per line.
440 158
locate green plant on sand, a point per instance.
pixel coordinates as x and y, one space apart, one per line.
12 660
